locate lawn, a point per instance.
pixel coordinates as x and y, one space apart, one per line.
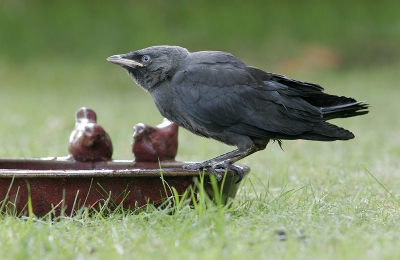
313 200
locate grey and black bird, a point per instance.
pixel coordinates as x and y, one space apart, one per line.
216 95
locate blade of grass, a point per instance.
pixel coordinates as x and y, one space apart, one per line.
380 184
4 202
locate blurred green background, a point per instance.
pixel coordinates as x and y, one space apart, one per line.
349 33
52 58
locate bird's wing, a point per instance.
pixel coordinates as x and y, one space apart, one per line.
229 96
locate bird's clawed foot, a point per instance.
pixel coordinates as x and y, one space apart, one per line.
223 167
218 169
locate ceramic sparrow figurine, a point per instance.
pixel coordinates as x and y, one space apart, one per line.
89 142
153 144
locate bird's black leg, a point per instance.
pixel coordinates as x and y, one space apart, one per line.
215 160
228 164
222 163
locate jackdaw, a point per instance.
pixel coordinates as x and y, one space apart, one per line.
216 95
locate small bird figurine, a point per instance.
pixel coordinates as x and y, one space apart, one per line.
89 142
153 144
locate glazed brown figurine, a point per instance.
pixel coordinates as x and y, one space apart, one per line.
89 142
153 144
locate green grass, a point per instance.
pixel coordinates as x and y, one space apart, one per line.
333 200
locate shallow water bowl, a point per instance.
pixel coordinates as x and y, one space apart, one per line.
63 186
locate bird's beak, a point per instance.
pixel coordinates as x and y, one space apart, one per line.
120 60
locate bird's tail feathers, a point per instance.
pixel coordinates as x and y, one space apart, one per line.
345 110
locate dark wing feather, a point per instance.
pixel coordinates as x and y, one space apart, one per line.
223 94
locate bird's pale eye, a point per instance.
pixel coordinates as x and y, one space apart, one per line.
146 58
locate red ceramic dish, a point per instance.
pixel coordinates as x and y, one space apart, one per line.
59 185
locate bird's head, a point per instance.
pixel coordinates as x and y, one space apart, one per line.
151 66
